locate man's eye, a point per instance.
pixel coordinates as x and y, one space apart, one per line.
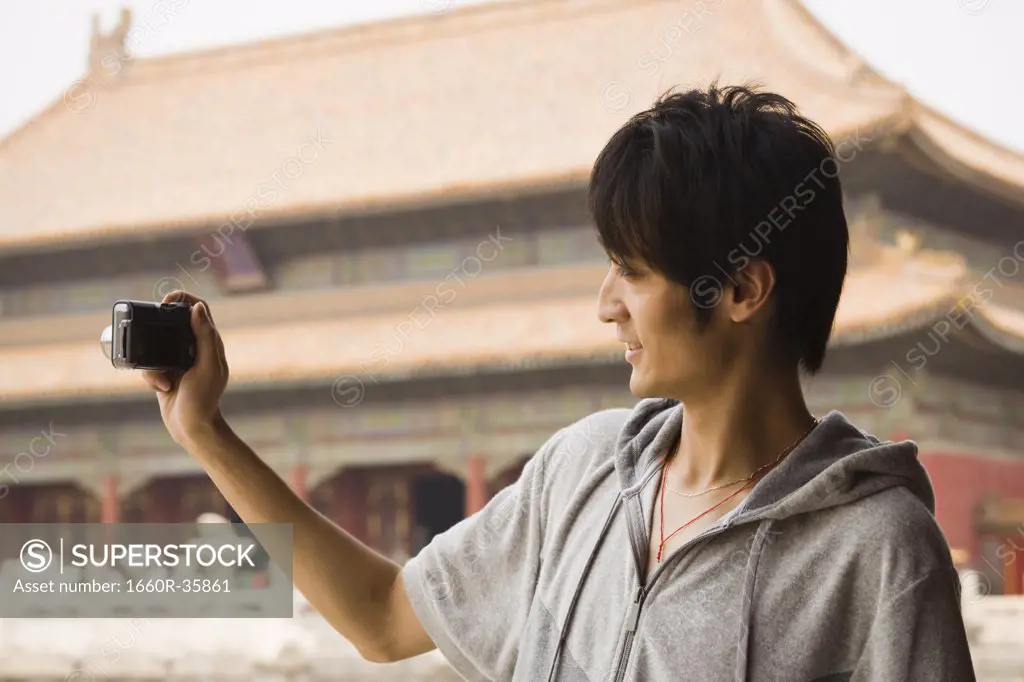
626 271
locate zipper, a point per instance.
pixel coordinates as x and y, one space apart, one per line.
632 618
633 615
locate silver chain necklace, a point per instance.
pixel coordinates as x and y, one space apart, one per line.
747 479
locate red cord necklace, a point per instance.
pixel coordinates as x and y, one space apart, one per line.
664 474
661 547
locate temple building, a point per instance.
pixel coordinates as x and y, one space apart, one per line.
389 223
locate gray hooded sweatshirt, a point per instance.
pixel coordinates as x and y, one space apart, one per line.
832 569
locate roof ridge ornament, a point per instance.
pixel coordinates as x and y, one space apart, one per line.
108 52
908 241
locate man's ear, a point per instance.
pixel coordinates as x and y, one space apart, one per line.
753 287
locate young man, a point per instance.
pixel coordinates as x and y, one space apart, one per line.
717 531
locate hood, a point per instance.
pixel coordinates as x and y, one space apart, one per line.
835 464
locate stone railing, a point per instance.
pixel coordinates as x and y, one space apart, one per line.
301 649
995 628
306 649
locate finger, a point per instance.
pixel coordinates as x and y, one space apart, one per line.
179 296
158 381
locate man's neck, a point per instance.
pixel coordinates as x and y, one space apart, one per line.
742 427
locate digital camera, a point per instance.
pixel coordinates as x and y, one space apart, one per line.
146 335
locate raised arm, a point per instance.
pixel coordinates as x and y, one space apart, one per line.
357 590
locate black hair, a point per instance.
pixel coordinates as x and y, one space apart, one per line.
707 180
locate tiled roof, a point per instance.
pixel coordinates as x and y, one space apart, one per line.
895 295
481 100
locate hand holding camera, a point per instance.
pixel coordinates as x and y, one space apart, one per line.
177 345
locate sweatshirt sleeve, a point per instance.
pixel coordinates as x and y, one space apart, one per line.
920 635
473 585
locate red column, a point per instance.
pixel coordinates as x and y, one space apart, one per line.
476 485
1012 574
298 476
109 510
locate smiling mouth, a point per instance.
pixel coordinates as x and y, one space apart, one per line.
633 346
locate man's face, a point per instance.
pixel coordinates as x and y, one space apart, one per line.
654 318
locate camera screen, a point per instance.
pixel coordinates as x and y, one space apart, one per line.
158 345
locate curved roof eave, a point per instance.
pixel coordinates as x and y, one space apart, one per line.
114 190
956 149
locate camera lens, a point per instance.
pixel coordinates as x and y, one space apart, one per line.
107 340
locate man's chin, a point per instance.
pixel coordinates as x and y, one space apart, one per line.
640 387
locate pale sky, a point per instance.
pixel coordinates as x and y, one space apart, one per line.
963 57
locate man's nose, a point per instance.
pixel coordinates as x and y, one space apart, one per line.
609 304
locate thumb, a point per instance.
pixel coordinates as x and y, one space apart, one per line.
201 322
203 313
